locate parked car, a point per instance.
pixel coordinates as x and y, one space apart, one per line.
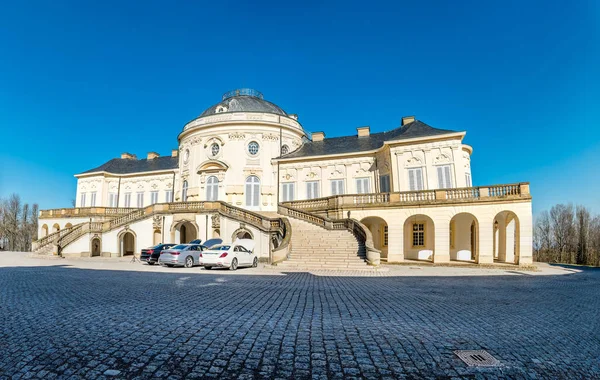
212 242
151 255
232 256
186 255
197 241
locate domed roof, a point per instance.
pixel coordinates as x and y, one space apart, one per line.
243 100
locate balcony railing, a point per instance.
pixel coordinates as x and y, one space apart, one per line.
456 195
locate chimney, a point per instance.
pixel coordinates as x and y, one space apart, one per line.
128 156
152 155
407 120
318 136
363 131
174 152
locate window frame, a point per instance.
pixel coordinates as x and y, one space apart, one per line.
93 199
212 189
154 197
387 182
139 199
422 232
82 199
468 180
285 190
366 180
169 196
417 183
254 192
248 149
445 180
333 185
127 201
315 189
184 190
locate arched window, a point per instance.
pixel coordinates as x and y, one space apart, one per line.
212 188
184 190
252 191
285 149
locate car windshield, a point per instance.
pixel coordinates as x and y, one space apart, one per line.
221 247
180 246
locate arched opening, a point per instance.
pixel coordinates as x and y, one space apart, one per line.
464 237
156 239
242 233
379 230
252 191
419 238
68 225
44 230
127 244
184 232
55 227
96 247
216 233
506 237
212 188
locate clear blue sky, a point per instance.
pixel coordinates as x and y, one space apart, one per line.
82 81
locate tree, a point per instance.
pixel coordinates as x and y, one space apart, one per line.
12 214
583 226
562 217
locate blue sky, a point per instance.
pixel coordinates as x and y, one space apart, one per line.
81 82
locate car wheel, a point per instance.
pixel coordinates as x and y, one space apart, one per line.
189 262
207 268
255 262
233 264
149 263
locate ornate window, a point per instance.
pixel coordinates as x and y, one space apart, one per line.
127 199
82 201
252 191
184 190
212 188
253 148
93 202
362 186
140 199
415 179
288 191
153 197
418 235
169 196
285 149
214 149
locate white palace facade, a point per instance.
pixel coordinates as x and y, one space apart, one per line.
246 168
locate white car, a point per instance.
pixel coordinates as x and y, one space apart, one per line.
186 255
238 254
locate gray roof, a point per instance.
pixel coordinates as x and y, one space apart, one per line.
351 144
244 103
128 165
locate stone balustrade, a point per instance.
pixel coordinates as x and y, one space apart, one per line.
424 197
84 212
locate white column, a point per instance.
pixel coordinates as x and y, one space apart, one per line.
486 241
441 253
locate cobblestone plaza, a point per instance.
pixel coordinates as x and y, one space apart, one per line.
59 321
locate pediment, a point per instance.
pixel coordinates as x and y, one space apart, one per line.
212 166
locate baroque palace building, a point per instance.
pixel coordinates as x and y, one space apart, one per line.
247 168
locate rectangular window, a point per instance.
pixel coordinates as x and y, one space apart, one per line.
93 200
418 234
444 177
337 186
468 182
153 197
127 199
362 186
415 179
384 184
288 191
112 199
140 199
385 236
312 189
169 196
82 202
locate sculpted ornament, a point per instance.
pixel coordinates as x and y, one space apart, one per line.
216 221
156 222
237 136
270 137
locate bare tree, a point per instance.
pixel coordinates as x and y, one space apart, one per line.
12 214
583 228
562 218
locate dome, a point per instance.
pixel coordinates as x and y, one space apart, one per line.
243 100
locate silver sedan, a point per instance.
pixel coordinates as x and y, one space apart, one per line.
186 255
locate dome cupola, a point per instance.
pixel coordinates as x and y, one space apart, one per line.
243 100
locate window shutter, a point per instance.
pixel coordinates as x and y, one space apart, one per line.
419 178
411 180
291 192
334 187
448 176
440 173
249 194
358 186
256 195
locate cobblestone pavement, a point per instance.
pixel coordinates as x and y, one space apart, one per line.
62 322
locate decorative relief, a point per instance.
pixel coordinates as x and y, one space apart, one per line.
215 221
442 159
296 143
237 136
156 222
270 137
414 161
